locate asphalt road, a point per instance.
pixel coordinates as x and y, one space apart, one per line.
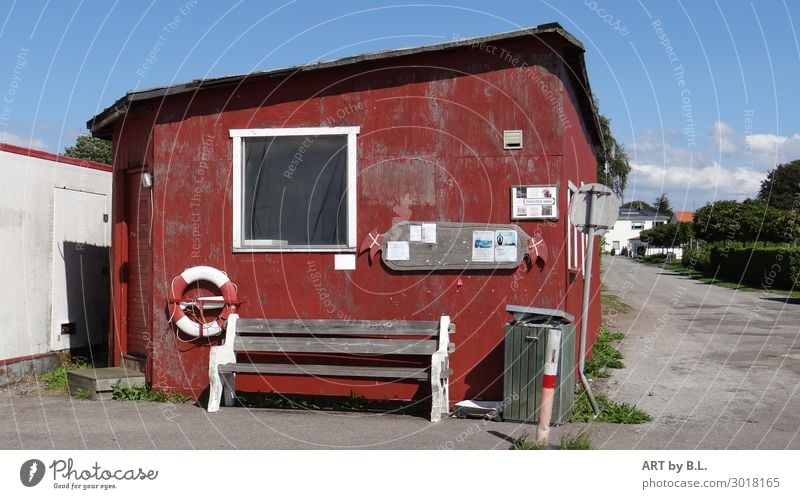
715 367
39 420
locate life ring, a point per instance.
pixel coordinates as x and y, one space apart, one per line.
191 275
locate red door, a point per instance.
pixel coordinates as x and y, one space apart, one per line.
138 209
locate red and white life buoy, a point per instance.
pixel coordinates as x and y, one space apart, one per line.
229 300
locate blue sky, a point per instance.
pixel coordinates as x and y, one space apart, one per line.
703 94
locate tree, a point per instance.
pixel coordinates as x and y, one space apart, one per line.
90 148
747 222
781 188
613 165
717 221
662 205
758 222
667 235
639 205
684 233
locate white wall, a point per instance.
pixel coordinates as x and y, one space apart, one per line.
622 232
27 243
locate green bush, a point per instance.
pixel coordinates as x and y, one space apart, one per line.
771 267
756 266
697 258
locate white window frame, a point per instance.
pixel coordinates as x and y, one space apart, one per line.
240 245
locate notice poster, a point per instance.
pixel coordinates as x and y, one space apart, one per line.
482 245
532 202
397 250
505 249
429 233
415 233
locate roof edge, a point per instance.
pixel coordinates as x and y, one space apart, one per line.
100 121
111 113
58 158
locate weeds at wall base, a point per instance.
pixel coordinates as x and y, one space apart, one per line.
144 393
56 380
604 354
610 412
580 441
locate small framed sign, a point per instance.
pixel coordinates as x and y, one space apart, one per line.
534 202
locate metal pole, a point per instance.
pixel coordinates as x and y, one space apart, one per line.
587 282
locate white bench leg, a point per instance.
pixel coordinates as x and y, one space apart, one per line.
219 355
439 390
222 354
228 388
214 381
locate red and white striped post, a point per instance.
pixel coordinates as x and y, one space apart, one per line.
548 386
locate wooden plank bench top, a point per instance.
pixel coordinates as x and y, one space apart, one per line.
355 340
324 327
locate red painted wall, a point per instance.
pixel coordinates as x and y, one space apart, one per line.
430 148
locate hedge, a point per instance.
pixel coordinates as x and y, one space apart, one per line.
772 267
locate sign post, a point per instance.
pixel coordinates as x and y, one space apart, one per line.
594 209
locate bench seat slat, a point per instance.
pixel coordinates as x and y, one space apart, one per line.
333 327
414 373
350 346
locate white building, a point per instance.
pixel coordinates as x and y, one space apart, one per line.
54 238
630 223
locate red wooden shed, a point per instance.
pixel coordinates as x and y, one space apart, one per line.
276 177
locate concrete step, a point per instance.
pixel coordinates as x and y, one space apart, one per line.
100 382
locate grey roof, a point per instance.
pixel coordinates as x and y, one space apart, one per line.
642 215
98 124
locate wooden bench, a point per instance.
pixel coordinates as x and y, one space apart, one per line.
365 341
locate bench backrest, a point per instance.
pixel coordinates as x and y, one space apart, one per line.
337 337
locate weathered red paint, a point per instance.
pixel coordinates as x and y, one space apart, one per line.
430 148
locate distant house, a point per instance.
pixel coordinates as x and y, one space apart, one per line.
630 223
681 217
53 258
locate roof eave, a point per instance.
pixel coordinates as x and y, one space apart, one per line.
100 124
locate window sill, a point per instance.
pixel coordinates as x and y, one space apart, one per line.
293 249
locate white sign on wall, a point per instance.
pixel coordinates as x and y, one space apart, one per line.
534 202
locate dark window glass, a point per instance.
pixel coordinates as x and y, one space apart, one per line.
295 190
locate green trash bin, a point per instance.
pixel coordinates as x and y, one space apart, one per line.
525 343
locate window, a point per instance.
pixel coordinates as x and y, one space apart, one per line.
659 223
294 189
637 225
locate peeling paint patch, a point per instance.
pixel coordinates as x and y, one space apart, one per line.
410 182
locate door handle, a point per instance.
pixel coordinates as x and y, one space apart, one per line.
532 338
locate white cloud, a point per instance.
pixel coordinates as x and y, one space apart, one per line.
773 149
17 140
728 165
724 140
